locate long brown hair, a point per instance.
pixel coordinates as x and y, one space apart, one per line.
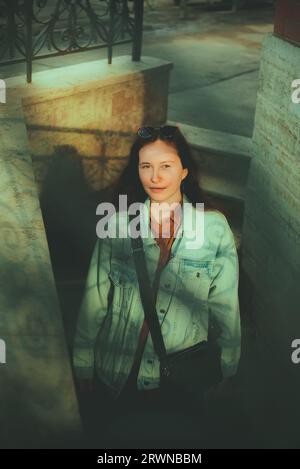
129 181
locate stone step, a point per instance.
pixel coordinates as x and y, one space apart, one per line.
223 160
234 212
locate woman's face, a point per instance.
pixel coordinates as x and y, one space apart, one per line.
161 172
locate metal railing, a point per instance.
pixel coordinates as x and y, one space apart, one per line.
36 29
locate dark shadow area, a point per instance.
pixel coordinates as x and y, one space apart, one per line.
162 421
69 212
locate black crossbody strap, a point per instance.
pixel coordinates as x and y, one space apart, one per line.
147 296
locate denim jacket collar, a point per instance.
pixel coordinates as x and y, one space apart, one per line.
191 230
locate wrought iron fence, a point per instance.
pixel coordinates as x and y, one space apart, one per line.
35 29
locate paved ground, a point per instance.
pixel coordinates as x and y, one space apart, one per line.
216 60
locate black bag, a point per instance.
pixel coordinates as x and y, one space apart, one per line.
193 369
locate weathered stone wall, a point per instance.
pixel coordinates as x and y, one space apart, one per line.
271 235
38 407
271 242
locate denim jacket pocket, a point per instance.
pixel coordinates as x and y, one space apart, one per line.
124 282
195 280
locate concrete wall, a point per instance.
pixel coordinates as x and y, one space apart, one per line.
38 407
271 231
96 109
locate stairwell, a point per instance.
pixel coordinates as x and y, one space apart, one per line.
223 161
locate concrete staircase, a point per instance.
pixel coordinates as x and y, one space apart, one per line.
223 161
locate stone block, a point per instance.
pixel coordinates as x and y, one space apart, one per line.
273 195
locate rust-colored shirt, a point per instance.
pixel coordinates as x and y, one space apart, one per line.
165 245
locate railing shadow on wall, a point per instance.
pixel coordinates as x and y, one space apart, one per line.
68 204
37 29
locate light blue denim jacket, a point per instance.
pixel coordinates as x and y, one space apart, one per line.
200 279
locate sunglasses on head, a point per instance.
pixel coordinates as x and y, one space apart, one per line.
166 132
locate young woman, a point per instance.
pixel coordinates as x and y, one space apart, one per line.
194 282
